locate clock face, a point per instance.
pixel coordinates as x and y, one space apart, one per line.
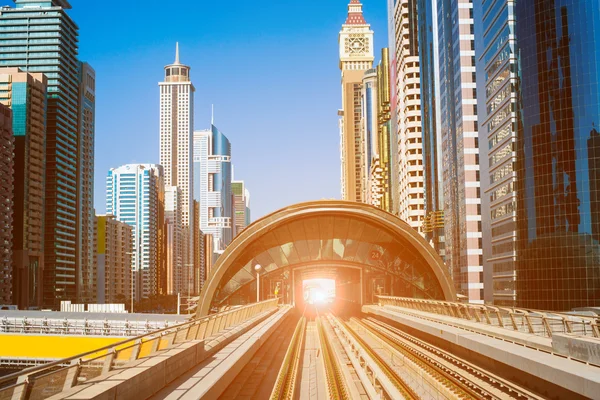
357 45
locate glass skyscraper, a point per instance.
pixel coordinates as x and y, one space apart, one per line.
39 36
212 158
85 185
133 195
558 154
496 68
433 224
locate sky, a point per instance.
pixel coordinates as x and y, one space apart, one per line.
269 67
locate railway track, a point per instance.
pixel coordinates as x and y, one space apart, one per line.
286 387
402 389
462 378
336 385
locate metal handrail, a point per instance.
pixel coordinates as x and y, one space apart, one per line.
223 318
536 322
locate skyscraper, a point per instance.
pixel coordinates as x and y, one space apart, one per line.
133 193
39 36
199 260
174 235
356 57
433 221
25 93
176 144
406 112
212 151
496 68
85 184
241 206
558 154
384 132
113 253
460 147
7 148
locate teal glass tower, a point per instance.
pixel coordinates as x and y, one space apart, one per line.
39 36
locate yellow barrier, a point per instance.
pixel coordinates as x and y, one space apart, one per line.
45 347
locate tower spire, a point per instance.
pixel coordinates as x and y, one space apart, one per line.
177 53
355 13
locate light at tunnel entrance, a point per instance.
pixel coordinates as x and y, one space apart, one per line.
319 291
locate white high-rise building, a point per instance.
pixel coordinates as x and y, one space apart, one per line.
406 87
176 145
133 193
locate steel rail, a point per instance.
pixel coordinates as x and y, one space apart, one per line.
285 386
335 380
405 389
466 377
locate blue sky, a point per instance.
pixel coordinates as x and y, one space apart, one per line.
269 67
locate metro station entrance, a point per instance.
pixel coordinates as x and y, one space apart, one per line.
365 250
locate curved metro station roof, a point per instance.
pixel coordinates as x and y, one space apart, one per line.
335 233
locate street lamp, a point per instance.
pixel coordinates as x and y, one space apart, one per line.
257 268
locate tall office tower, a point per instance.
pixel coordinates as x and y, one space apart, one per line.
406 91
160 272
209 256
176 143
384 131
174 224
114 250
496 68
460 147
241 206
356 57
199 267
39 36
7 188
25 93
212 153
558 154
133 194
85 184
428 39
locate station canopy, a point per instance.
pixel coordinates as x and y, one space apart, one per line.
330 234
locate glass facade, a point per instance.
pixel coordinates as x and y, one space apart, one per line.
133 195
433 224
496 69
212 159
336 240
41 37
558 179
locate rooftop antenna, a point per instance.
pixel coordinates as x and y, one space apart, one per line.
212 116
177 53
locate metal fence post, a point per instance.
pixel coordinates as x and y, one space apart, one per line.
108 361
72 375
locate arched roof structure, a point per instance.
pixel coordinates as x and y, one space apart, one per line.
329 232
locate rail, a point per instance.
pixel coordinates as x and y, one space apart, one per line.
336 387
540 323
49 379
80 327
286 384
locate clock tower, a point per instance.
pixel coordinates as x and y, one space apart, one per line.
356 57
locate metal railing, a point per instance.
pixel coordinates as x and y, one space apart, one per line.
47 380
82 327
540 323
